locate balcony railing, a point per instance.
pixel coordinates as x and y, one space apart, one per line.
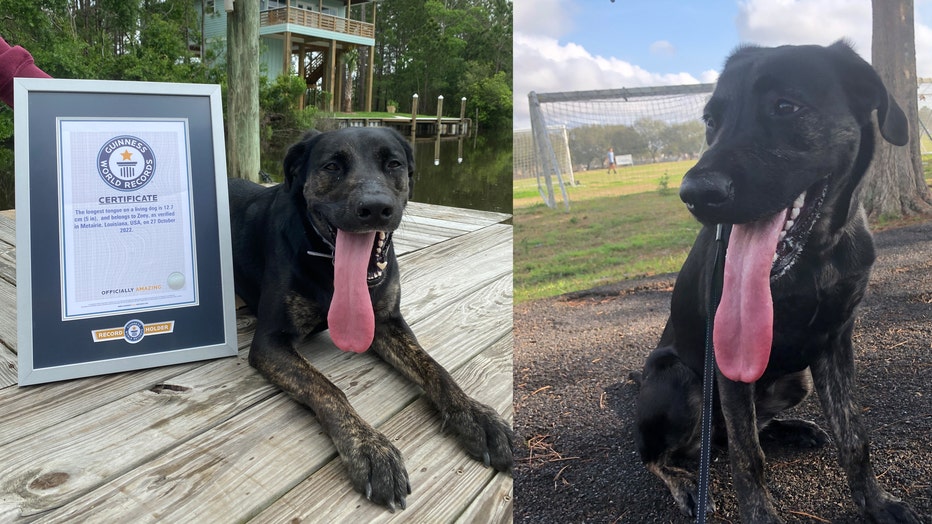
303 17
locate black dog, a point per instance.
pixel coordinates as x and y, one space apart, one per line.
316 251
790 136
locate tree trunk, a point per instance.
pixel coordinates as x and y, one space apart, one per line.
894 186
242 141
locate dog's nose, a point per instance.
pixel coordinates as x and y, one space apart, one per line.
707 188
376 210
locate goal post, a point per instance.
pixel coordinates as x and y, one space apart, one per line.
640 125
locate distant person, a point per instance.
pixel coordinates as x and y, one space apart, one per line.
611 161
15 62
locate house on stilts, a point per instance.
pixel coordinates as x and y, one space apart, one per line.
310 38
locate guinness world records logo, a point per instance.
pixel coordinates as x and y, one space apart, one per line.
133 331
126 163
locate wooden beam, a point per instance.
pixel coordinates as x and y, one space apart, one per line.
242 144
286 66
370 66
331 73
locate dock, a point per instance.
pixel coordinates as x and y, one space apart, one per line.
425 126
213 441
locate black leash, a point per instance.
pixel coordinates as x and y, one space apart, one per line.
708 373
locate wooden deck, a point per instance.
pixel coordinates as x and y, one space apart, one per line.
214 442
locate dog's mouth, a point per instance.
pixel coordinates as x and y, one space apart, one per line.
759 253
378 255
799 220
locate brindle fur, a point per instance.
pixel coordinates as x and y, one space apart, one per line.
758 161
329 179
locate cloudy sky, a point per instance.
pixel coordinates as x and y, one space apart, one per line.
574 45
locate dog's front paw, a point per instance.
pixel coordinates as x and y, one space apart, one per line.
377 470
483 432
683 486
889 510
800 433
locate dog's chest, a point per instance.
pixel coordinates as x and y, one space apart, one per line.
306 315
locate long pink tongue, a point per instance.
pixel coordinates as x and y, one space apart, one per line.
351 319
743 332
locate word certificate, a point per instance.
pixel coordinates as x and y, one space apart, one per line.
125 216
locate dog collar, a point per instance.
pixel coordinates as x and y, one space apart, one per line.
321 254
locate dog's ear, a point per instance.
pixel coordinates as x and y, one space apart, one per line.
866 93
409 158
296 157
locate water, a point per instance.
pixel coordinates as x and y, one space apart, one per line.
482 180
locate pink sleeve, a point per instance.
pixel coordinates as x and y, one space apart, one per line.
15 62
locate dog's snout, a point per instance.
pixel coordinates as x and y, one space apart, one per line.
375 210
709 188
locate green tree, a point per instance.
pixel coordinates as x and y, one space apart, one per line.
452 48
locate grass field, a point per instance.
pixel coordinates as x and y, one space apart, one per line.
620 226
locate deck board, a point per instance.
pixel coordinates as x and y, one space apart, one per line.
231 447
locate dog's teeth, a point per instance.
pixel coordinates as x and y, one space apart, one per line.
775 257
800 200
381 265
788 225
794 214
782 235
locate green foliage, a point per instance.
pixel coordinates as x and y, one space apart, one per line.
453 48
647 140
491 97
663 185
281 116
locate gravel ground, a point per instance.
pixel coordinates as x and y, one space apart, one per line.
574 404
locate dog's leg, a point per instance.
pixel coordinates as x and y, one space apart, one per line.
779 395
747 459
375 466
834 376
669 409
479 428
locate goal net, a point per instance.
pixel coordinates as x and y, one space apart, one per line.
652 131
924 92
572 132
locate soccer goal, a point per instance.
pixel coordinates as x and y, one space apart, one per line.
924 92
646 125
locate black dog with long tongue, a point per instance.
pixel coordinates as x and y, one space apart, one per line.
790 135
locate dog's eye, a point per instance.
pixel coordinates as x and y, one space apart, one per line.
331 167
783 107
709 121
393 164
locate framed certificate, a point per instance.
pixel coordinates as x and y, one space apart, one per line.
122 227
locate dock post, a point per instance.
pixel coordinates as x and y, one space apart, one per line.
439 115
413 117
462 124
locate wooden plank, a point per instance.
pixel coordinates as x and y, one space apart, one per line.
486 256
444 480
8 369
494 504
63 462
8 227
49 404
246 463
137 424
29 410
456 214
7 314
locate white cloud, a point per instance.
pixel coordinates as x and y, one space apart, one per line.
551 18
777 22
544 65
662 48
